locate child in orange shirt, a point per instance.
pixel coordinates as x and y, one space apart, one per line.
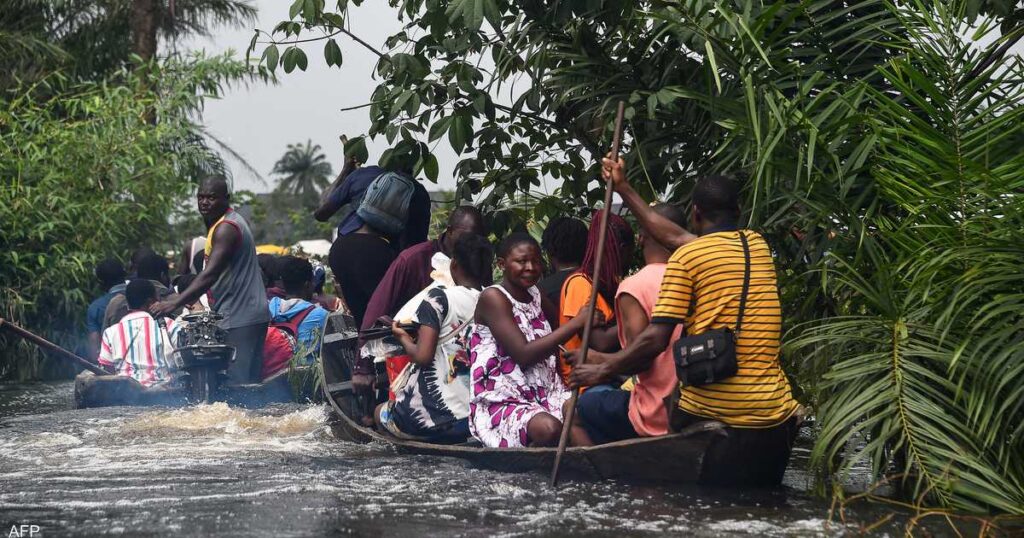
618 252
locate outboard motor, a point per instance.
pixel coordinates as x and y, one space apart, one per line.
204 355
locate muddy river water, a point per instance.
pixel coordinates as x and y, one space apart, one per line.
220 471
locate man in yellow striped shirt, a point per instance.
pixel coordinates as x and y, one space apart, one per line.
701 289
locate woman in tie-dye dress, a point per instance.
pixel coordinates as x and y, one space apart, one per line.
517 395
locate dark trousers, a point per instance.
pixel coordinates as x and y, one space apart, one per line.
604 413
248 363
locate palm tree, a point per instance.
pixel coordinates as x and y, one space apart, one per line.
98 37
304 172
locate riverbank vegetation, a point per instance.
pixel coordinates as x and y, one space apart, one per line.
880 147
100 142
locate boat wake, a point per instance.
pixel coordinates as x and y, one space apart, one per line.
221 418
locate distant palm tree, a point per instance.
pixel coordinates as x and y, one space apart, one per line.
305 172
94 38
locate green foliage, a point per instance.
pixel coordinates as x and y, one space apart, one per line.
303 172
87 176
879 144
93 38
928 331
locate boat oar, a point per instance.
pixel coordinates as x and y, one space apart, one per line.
589 325
50 346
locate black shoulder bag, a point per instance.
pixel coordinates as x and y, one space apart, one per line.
710 357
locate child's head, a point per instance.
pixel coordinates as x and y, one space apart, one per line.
139 294
296 275
472 260
565 240
519 260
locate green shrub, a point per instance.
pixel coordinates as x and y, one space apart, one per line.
85 175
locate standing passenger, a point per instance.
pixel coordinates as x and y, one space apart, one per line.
359 261
348 190
517 395
565 242
186 265
234 281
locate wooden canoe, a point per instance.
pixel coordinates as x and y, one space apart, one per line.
114 390
706 452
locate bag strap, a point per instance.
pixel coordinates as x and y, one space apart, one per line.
746 280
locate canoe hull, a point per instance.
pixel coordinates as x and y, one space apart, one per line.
635 460
707 452
113 390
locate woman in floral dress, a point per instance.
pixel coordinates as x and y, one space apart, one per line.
517 395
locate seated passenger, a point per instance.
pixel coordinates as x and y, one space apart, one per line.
517 394
640 412
271 274
111 275
703 290
565 242
150 266
432 394
618 251
202 304
138 346
296 324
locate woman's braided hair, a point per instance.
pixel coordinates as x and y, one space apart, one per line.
617 243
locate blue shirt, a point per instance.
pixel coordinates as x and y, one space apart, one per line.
94 314
351 192
310 330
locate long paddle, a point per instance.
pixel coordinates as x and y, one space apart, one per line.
589 325
50 346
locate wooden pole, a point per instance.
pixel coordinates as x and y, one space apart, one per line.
50 346
602 234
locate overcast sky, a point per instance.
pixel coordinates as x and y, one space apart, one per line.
260 121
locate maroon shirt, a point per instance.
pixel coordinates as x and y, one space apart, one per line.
407 276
